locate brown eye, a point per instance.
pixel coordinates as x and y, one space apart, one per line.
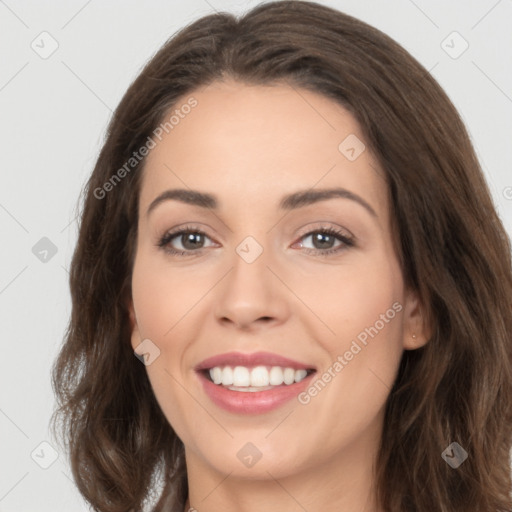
323 240
184 241
326 241
191 241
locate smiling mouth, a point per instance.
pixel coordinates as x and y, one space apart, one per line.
253 388
256 378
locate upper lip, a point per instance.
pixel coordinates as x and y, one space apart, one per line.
255 359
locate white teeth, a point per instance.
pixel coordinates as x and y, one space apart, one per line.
259 377
226 376
276 377
241 376
289 376
300 374
216 375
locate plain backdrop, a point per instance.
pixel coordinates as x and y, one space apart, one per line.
54 109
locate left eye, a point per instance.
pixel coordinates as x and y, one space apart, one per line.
326 240
321 240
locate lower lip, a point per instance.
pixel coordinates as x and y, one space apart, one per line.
252 402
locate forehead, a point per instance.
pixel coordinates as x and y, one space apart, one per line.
250 142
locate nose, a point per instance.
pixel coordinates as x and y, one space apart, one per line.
251 296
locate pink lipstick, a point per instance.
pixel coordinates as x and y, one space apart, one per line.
252 383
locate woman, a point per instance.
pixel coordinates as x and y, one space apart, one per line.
289 228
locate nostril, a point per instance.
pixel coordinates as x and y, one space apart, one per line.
266 318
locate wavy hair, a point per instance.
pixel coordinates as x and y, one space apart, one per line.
452 246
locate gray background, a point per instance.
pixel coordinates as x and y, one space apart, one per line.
54 112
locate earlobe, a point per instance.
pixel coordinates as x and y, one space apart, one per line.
134 328
416 331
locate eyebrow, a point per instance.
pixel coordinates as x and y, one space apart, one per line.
289 202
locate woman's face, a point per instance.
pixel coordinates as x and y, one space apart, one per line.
288 253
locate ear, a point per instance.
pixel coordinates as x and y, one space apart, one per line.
416 328
134 327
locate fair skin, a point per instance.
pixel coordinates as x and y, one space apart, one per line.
249 146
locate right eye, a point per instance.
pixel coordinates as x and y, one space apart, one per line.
183 242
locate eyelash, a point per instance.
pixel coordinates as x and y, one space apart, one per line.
347 241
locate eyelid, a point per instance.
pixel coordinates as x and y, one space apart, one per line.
324 226
188 226
345 238
164 240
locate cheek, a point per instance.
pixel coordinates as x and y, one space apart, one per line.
161 303
361 308
365 299
365 315
161 298
350 299
161 306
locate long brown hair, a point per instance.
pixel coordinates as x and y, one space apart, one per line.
453 250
